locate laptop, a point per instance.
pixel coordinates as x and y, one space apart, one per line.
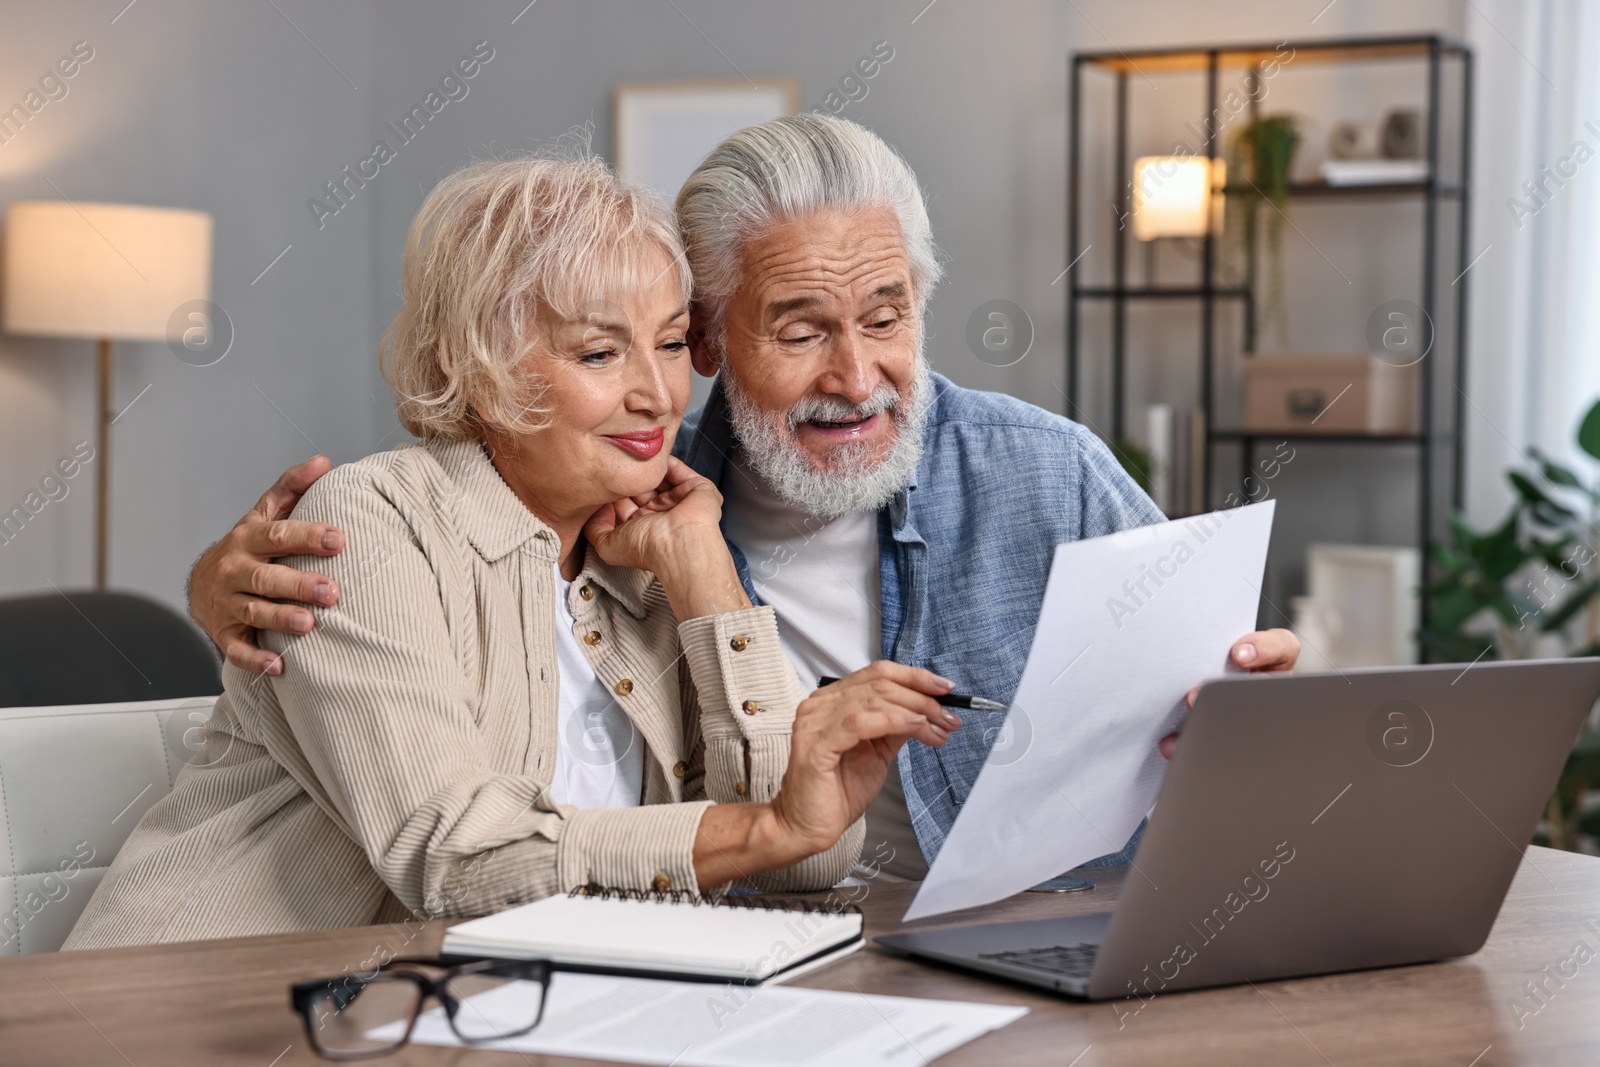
1311 824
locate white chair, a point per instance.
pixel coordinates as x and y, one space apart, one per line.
74 781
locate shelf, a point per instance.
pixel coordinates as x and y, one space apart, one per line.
1163 292
1107 90
1337 438
1323 189
1169 60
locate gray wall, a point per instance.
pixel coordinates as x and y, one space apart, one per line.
233 111
227 110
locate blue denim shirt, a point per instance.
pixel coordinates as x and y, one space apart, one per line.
964 553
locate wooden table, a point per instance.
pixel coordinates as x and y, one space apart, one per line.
226 1002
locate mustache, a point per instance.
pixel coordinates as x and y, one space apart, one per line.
832 409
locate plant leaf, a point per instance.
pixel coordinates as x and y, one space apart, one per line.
1549 513
1455 608
1589 822
1507 558
1542 505
1457 647
1558 474
1576 602
1447 559
1462 535
1589 431
1526 489
1508 612
1554 553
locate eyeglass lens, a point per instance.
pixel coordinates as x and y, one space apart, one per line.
493 1007
364 1017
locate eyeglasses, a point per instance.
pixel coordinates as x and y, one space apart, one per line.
353 1017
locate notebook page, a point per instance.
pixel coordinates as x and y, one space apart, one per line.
652 933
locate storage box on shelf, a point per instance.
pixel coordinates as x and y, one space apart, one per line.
1332 393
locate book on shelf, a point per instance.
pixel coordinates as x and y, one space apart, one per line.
1374 171
1176 438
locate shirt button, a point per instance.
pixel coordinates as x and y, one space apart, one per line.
587 592
739 788
592 637
661 883
751 707
678 768
739 642
624 687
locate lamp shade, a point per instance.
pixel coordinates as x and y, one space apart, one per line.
1171 196
102 270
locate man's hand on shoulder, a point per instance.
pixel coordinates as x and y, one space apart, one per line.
235 586
1263 652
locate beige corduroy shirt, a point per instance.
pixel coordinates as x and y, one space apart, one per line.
402 762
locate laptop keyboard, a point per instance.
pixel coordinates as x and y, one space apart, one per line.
1073 961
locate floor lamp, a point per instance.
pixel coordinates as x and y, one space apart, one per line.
107 272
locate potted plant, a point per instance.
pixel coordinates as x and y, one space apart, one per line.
1530 587
1136 460
1261 154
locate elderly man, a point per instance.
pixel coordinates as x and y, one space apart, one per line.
882 510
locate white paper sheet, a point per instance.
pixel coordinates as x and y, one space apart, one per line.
694 1024
1130 623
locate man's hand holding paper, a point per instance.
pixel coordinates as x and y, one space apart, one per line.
1165 596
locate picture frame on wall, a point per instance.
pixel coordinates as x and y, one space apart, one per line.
662 130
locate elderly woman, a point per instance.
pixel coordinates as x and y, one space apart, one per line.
543 671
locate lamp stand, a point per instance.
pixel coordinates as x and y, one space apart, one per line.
102 503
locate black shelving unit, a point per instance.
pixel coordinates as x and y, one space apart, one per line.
1434 433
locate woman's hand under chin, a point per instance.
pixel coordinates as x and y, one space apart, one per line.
675 532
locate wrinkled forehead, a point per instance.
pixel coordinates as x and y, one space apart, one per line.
825 259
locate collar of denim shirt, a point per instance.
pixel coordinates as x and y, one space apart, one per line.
706 443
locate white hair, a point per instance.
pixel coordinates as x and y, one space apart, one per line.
492 245
781 170
853 479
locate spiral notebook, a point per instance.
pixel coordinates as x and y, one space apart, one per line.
682 936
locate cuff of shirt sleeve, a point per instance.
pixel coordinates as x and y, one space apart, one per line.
492 881
744 681
631 848
740 769
821 871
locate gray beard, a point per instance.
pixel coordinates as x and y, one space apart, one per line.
853 480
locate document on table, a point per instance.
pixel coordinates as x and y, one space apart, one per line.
1130 623
698 1024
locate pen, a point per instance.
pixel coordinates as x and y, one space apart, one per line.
949 700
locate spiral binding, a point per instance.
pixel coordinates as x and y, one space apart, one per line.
695 898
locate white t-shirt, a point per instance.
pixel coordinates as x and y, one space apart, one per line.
599 753
821 577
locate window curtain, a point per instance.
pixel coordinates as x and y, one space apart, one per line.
1534 324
